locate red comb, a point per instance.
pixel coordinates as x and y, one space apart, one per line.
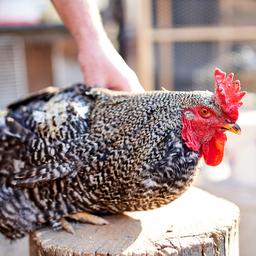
228 93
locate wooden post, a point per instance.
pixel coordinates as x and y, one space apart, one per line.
165 68
143 44
197 224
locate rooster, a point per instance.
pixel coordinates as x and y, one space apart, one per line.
81 151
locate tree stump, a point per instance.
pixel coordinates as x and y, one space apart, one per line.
197 223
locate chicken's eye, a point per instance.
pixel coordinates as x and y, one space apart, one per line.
204 112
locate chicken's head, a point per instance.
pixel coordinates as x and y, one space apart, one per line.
205 122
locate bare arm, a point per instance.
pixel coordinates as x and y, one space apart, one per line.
100 63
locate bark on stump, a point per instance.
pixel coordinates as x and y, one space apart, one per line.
197 223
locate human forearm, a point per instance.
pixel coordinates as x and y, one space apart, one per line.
82 19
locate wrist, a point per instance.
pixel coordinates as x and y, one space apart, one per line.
94 41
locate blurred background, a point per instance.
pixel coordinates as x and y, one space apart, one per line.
175 44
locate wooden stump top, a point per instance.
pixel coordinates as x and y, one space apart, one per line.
197 223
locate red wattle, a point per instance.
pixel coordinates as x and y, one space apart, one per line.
213 150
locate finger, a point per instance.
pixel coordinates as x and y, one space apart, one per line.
128 83
92 80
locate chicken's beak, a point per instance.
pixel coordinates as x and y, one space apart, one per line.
234 128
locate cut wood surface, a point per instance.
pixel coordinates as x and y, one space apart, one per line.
197 223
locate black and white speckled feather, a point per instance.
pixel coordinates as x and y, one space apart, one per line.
80 149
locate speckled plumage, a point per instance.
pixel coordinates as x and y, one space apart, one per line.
80 149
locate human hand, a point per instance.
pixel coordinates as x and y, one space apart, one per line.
100 63
102 66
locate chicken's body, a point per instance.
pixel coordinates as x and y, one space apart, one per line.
81 149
